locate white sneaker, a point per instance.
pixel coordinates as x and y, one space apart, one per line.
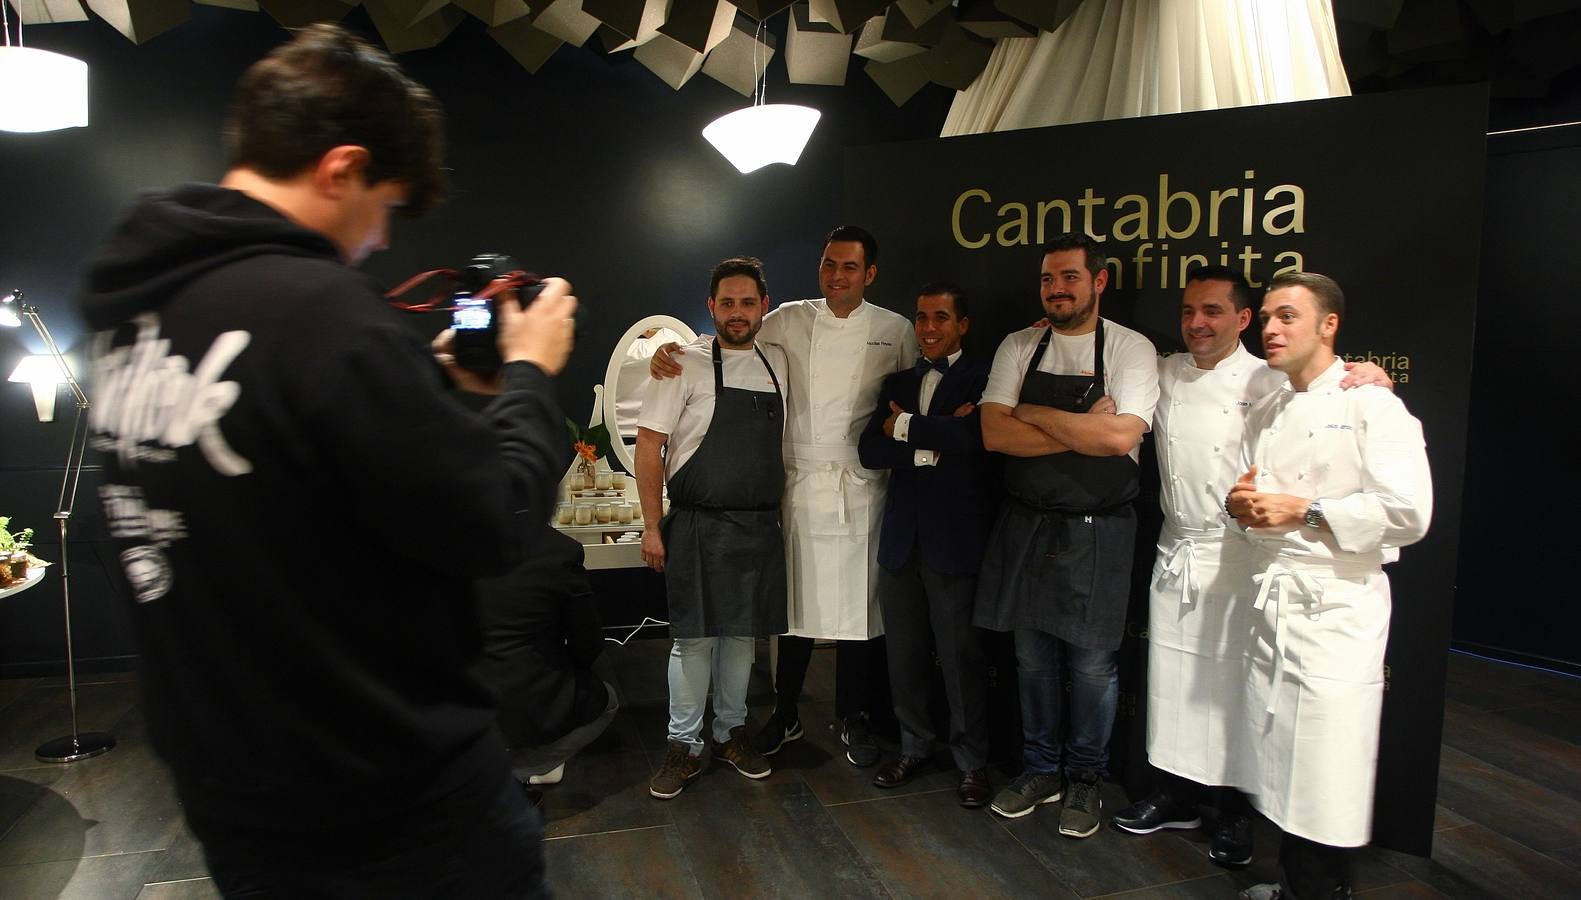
552 776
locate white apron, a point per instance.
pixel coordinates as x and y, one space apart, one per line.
832 512
1197 638
1201 591
1314 697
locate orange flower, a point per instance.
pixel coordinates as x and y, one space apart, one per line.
585 450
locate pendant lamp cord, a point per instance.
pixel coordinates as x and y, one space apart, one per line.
5 20
759 72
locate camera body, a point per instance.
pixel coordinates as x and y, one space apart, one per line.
476 345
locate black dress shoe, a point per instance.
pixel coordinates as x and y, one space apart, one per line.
1232 841
897 772
974 789
1157 811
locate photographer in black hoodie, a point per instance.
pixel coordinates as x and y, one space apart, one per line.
300 507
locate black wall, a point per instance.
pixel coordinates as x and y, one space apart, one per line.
1514 600
593 169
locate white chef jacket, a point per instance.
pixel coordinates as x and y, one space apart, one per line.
1201 590
1315 691
833 506
683 407
1130 367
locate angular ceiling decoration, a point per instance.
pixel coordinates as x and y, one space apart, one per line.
1521 45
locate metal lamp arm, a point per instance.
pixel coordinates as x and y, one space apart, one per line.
79 439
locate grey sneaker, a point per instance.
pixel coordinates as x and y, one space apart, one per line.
679 767
739 754
1023 794
1268 891
860 748
1083 801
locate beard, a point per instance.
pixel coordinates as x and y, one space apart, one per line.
1081 310
725 330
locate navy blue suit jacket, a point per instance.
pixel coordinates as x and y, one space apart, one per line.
947 510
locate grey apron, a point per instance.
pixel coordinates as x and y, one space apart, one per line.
724 564
1059 560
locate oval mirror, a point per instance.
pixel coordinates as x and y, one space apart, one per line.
626 376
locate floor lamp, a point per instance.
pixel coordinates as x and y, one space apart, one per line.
78 744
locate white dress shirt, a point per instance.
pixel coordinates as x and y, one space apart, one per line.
930 383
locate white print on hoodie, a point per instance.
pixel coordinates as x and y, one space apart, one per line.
151 403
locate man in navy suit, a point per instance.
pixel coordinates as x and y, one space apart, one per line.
937 515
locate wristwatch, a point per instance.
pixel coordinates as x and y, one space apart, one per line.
1314 516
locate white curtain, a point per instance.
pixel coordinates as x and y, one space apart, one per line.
1115 59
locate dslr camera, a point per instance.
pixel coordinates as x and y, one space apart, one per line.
472 317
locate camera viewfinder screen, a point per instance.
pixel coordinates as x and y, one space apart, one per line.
471 314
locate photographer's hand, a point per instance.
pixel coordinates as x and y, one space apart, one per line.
542 333
443 346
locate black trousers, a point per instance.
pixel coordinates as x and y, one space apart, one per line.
926 612
1313 871
860 683
1227 800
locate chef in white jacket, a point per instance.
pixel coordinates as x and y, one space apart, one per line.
839 350
1201 591
1335 482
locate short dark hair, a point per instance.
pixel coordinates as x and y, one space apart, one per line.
327 88
957 296
860 235
749 266
1330 299
1075 240
1240 289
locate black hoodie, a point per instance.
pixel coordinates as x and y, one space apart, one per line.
299 508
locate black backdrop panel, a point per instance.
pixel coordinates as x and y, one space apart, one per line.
1381 192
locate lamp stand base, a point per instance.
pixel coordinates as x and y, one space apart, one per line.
73 747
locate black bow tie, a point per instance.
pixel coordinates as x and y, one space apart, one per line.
941 365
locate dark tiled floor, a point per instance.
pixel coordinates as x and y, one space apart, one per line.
1508 824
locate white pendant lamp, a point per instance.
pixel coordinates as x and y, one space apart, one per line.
752 138
763 133
39 90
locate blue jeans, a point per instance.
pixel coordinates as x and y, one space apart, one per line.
1094 696
694 662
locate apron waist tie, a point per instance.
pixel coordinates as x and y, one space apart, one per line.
1282 583
1180 566
845 475
703 507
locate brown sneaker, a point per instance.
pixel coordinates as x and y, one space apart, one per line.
679 767
739 753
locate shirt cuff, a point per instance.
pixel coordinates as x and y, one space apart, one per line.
925 457
903 427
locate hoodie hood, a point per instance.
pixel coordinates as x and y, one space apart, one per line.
173 237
